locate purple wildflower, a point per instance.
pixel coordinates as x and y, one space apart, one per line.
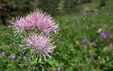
103 35
76 30
13 56
98 56
67 31
108 34
62 24
16 46
95 44
58 68
28 62
109 43
93 25
2 53
9 44
19 64
84 41
59 39
19 57
18 50
13 42
27 55
92 57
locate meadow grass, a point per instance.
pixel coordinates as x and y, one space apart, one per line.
73 52
92 5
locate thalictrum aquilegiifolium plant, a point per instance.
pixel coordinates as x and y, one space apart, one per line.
38 43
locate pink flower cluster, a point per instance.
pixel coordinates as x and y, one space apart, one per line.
44 22
38 44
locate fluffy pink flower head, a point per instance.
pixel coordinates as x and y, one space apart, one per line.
23 23
39 45
44 22
30 24
20 24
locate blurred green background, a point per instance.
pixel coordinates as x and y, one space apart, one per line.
13 8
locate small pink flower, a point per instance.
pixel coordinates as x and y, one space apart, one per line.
98 56
99 30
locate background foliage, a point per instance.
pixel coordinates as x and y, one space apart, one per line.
13 8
